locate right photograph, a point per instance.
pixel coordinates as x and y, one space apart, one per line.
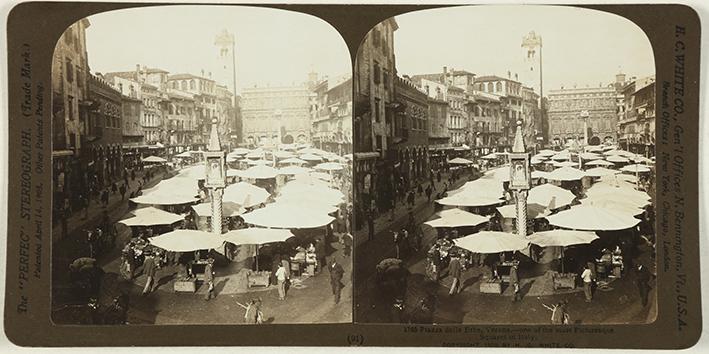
504 168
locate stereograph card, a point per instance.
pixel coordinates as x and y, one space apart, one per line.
353 175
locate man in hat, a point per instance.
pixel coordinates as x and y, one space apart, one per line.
455 270
209 279
514 282
643 277
336 273
281 280
149 269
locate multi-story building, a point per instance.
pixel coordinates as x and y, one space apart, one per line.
375 69
70 70
275 115
457 115
151 119
510 93
226 115
637 128
181 121
565 114
533 132
486 119
411 131
332 125
133 136
204 93
104 134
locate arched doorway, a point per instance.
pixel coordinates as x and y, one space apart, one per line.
288 139
594 141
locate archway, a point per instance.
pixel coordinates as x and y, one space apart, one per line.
594 141
288 139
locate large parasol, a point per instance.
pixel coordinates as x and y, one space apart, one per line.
245 194
187 241
150 216
287 216
551 196
592 218
492 242
457 218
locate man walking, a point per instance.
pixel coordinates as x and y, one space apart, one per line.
514 282
281 279
336 273
586 276
149 269
209 279
643 282
455 270
122 189
397 241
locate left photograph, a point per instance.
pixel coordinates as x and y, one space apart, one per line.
202 163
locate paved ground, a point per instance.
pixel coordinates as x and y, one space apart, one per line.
311 302
619 303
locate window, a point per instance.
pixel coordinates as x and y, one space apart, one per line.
498 87
376 73
70 107
69 70
192 84
375 37
183 85
489 87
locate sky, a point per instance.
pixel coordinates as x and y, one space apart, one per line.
579 46
273 47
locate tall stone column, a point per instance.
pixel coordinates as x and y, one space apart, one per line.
521 208
216 195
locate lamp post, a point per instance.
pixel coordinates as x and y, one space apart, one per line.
215 176
520 179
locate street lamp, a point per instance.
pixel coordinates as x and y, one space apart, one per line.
520 179
215 176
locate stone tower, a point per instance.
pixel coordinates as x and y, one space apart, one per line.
531 74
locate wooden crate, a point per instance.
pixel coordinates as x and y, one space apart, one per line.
564 281
491 287
186 286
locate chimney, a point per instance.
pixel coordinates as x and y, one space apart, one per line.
516 77
445 73
509 74
137 71
202 71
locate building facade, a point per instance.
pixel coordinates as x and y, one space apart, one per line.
204 94
181 121
375 69
637 127
70 72
104 134
332 125
566 122
411 132
511 101
486 119
276 115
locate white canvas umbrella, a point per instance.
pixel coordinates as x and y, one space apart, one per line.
321 175
566 174
470 200
457 218
564 164
286 216
256 236
534 211
245 194
546 152
154 159
562 238
240 151
256 154
561 157
310 157
329 166
259 172
184 154
600 171
624 206
232 173
491 156
491 242
164 199
590 156
259 162
187 241
312 150
293 170
283 154
229 209
539 174
617 159
592 218
502 173
306 192
599 163
460 161
550 196
636 169
151 216
293 161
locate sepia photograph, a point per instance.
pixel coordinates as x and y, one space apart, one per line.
504 162
201 163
